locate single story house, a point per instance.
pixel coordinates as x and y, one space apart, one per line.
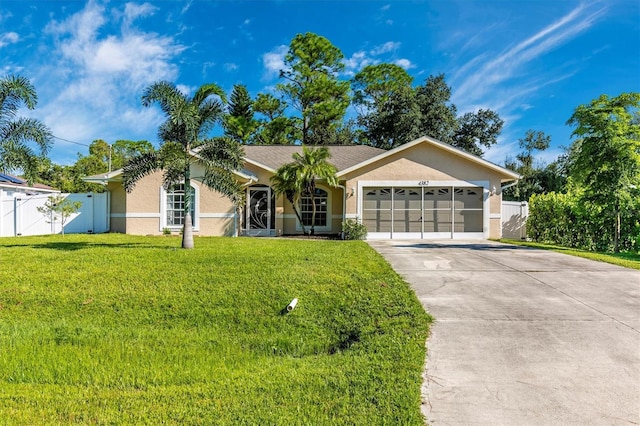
422 189
11 185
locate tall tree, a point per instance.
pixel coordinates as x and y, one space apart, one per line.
298 178
437 112
312 86
535 178
239 123
375 84
185 142
387 110
18 134
276 128
393 123
477 129
123 150
606 155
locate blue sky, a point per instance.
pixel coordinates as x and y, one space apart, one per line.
531 61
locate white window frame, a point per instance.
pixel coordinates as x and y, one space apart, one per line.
196 206
329 215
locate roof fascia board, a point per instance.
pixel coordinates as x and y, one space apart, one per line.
257 164
113 176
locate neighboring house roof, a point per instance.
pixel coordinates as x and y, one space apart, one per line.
17 183
271 157
509 174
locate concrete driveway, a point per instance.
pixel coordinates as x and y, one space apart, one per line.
524 336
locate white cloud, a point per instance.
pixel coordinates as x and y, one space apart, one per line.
184 89
404 63
505 81
482 77
186 7
96 74
390 46
8 38
362 58
357 62
134 11
273 62
230 67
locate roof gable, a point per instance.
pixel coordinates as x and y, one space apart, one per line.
509 174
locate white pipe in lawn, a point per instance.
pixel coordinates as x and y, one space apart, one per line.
291 306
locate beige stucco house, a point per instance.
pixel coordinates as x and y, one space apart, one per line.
422 189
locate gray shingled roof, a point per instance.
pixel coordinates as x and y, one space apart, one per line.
342 156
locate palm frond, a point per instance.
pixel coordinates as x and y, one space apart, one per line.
18 156
207 90
174 174
15 91
221 152
210 113
139 167
164 93
25 130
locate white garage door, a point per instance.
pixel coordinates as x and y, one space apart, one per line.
423 212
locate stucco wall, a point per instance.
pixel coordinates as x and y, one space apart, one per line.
139 212
289 222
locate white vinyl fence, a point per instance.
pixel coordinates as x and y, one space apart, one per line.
19 215
514 219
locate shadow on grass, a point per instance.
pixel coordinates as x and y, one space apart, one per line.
80 245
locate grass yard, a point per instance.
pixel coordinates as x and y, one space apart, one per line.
120 329
628 260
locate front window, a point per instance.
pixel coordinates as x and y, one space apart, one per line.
321 200
175 206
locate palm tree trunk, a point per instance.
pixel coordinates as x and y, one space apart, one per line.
299 216
187 230
313 213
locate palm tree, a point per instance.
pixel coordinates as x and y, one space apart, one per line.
299 178
285 181
184 144
16 133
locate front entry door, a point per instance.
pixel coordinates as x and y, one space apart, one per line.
259 212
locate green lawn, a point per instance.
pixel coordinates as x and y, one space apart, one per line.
628 260
130 330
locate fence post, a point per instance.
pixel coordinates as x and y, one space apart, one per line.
1 212
15 216
524 213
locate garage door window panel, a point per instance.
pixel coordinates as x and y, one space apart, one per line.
468 210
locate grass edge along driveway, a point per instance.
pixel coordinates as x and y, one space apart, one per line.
125 329
625 259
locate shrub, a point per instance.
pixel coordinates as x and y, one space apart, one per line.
571 220
353 230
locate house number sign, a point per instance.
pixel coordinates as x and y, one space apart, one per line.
423 183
